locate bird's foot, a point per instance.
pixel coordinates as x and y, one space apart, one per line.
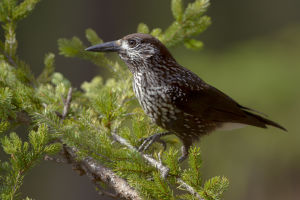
182 158
147 142
184 153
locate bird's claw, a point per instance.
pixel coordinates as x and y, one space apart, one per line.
182 158
147 142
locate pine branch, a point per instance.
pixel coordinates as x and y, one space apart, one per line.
158 165
95 171
189 188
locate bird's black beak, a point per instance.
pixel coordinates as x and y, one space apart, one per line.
113 46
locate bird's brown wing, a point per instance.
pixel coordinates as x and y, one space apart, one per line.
209 103
213 105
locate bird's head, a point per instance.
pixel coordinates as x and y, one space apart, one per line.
136 48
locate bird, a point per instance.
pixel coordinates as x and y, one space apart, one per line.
174 97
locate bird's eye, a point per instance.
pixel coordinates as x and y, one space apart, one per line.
131 43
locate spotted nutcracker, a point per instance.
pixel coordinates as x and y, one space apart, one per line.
174 97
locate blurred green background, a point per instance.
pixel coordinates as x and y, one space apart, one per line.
252 53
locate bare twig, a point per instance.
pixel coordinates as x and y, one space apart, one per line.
95 171
67 103
158 165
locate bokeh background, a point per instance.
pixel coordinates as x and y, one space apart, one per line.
252 53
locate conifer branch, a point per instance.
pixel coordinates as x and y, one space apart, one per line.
189 188
95 171
158 165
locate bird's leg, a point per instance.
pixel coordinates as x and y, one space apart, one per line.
147 142
184 154
184 151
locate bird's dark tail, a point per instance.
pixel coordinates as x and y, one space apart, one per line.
262 122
